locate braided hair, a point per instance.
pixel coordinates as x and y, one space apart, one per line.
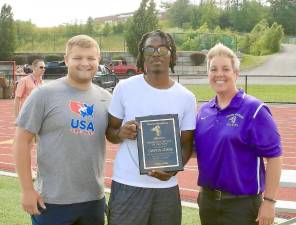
169 42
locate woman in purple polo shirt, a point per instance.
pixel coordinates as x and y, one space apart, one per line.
234 133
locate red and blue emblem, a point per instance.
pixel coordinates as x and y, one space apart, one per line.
83 125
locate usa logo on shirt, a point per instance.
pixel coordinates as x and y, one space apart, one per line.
84 123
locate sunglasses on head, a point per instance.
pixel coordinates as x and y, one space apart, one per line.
161 51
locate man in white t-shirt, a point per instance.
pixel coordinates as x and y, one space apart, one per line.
151 199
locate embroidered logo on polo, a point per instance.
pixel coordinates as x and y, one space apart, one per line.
84 124
233 120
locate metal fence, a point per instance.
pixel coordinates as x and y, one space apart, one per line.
261 86
200 41
290 40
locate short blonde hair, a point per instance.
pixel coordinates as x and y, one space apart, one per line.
221 50
83 41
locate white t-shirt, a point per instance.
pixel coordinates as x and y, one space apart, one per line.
134 97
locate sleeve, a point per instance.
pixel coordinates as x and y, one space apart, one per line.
32 113
189 117
20 89
265 137
116 107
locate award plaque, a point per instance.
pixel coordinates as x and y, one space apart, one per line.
159 143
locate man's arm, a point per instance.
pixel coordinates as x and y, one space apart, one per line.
19 93
17 102
186 145
116 133
273 173
22 152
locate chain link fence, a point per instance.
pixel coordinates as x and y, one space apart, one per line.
201 41
290 40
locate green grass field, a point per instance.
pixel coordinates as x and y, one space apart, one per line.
250 61
266 93
107 43
11 212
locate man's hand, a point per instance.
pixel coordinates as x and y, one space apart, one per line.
30 201
266 213
116 133
128 130
161 175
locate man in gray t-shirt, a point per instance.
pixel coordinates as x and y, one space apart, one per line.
69 116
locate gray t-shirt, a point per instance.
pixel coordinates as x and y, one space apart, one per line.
70 127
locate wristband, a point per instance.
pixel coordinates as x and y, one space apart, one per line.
269 199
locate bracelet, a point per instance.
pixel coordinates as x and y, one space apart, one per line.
269 199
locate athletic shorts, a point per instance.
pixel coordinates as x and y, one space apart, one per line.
129 205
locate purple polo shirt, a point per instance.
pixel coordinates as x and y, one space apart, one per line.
231 143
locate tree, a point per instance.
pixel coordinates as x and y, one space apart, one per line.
209 14
179 12
195 15
118 28
90 26
7 31
107 29
246 14
225 20
144 20
24 32
284 13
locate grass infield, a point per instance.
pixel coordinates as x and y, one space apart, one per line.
266 93
11 212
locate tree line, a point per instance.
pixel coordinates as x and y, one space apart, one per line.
236 15
228 17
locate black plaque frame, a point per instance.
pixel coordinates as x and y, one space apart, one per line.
159 143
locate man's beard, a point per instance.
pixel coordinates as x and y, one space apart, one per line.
155 70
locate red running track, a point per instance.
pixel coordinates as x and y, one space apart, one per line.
285 116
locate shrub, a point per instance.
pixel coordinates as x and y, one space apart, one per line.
118 57
19 59
188 45
197 58
31 58
244 43
179 38
50 58
265 40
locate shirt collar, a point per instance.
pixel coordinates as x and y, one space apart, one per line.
36 81
235 102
